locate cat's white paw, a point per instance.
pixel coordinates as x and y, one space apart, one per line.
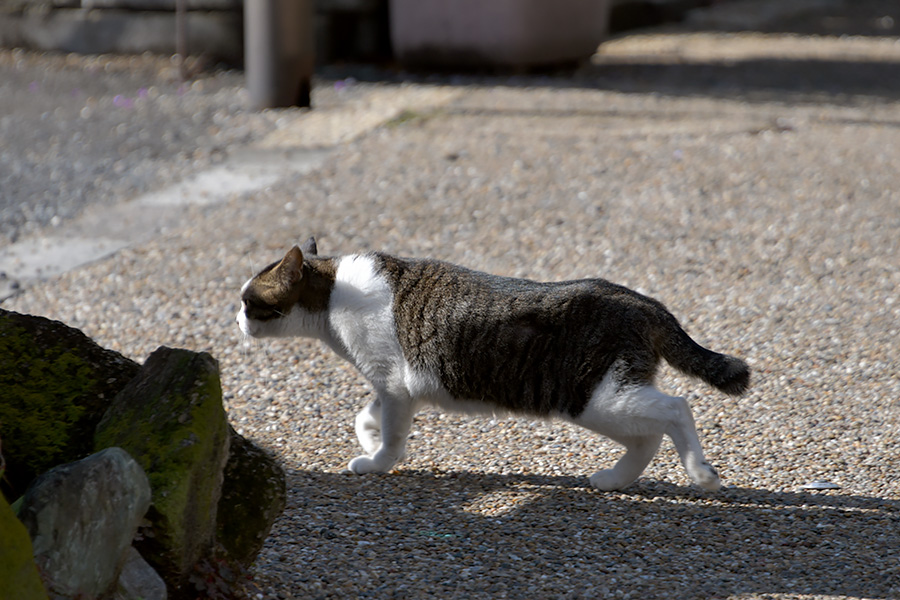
706 477
367 464
362 465
608 480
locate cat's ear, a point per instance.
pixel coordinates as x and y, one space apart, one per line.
309 247
290 269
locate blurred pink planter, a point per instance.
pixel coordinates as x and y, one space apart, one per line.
511 33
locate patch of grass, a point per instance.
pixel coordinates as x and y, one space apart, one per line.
407 116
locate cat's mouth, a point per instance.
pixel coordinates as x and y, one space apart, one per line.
246 326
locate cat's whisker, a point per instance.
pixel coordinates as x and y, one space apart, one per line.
268 353
244 344
249 344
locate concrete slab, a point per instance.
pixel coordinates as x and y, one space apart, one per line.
49 256
216 34
103 231
142 5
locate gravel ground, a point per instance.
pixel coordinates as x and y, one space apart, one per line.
58 107
766 221
96 131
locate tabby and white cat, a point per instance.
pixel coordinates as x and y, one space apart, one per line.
426 332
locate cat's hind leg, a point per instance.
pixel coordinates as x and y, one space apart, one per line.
396 415
640 450
637 417
683 432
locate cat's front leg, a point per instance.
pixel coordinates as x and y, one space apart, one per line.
395 419
368 427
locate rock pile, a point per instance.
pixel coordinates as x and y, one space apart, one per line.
134 483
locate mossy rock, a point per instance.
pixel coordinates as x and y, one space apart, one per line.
56 384
170 418
254 494
19 579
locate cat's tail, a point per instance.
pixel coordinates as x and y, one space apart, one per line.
726 373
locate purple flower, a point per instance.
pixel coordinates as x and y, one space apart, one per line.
344 83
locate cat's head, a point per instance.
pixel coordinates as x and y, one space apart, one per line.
280 294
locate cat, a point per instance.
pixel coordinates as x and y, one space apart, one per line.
427 332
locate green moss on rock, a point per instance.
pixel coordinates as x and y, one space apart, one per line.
170 418
56 384
19 579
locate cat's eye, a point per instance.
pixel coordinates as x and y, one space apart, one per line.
258 311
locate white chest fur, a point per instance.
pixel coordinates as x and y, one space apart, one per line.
360 315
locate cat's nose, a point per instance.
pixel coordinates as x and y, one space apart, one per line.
243 323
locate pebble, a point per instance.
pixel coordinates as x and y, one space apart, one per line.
820 485
774 243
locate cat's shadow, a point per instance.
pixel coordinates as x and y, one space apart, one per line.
735 541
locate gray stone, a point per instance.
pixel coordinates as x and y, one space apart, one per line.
253 496
139 581
500 33
171 419
57 383
82 518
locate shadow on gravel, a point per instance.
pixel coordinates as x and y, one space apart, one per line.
754 80
649 116
516 534
807 81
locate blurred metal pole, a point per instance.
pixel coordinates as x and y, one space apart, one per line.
278 52
181 37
